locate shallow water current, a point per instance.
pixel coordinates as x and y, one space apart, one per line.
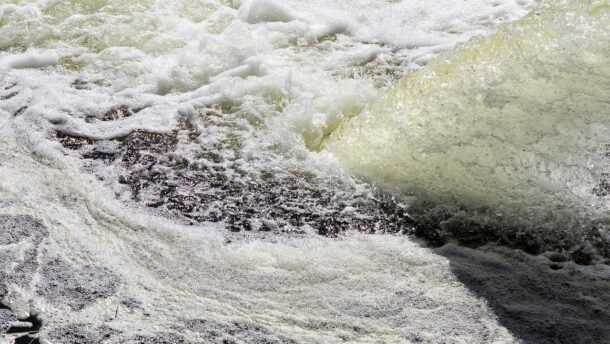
262 171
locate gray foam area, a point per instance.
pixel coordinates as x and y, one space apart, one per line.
61 282
160 338
14 229
540 299
19 233
20 241
210 331
76 287
81 334
235 332
27 264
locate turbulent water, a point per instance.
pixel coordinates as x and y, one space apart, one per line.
173 171
510 131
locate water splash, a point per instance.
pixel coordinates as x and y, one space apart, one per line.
509 131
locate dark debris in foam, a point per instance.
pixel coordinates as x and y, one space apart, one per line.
82 334
27 330
215 187
215 332
207 330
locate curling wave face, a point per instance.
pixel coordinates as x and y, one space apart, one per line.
509 131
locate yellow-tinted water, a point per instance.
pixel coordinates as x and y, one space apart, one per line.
515 124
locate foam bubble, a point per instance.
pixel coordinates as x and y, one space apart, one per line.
33 59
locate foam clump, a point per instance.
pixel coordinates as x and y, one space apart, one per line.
258 11
423 27
33 59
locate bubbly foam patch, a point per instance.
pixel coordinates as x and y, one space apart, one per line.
507 131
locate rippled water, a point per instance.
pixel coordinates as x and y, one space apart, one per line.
165 174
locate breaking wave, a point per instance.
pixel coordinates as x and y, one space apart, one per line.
507 134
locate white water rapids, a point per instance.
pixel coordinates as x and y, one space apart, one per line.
166 168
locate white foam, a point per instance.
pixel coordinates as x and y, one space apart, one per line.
260 11
413 24
33 59
203 53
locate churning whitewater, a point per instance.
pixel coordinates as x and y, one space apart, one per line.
251 171
510 131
